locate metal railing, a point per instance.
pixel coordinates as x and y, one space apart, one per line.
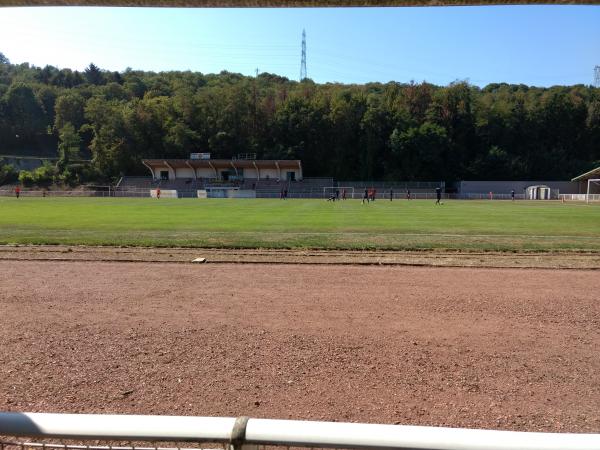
76 193
307 193
248 433
580 197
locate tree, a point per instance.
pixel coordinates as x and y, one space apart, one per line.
26 114
68 149
93 75
418 152
373 131
69 109
7 173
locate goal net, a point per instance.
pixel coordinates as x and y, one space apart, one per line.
593 190
338 192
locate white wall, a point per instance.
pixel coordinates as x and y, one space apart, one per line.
207 172
273 174
504 187
184 172
250 173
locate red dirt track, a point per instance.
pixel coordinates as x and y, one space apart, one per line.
482 348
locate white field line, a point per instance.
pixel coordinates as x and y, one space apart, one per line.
314 233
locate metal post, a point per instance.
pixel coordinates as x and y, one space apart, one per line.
587 195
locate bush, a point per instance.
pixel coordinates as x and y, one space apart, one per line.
26 178
8 174
42 176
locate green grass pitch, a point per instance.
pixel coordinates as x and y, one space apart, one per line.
265 223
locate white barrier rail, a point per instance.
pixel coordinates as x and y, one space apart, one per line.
117 427
580 197
75 193
244 432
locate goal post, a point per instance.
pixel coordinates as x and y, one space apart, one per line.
593 185
329 191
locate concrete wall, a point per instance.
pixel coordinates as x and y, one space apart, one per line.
205 172
164 193
230 193
272 174
504 187
184 172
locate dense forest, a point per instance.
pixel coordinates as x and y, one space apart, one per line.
375 131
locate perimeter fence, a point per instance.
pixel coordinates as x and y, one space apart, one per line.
308 194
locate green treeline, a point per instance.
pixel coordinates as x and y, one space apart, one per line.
375 131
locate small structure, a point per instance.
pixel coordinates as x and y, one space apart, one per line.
538 192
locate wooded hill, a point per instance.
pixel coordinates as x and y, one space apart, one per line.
375 131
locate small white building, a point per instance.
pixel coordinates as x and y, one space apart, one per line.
539 192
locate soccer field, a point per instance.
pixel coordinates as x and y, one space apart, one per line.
265 223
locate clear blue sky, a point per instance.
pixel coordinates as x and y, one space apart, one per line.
535 45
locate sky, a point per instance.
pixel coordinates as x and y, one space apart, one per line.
534 45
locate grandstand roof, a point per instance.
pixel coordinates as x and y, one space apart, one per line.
287 3
223 163
586 176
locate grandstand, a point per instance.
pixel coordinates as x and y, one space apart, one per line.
204 168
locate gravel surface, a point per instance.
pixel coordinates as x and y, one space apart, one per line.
485 348
434 258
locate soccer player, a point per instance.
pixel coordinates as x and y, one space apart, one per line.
408 194
343 194
512 195
365 196
285 194
158 193
17 191
438 194
337 194
391 194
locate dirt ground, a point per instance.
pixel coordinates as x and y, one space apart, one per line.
463 347
434 258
